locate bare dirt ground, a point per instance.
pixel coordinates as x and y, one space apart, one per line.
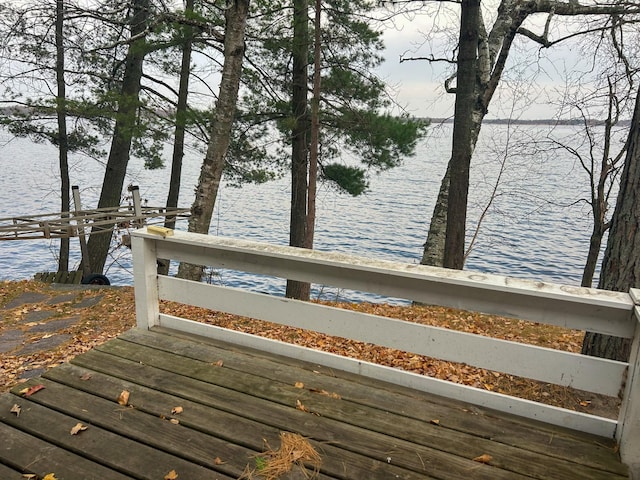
44 325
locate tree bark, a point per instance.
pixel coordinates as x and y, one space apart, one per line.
463 143
595 243
433 248
600 192
492 53
128 103
314 145
299 140
621 263
63 140
221 125
179 132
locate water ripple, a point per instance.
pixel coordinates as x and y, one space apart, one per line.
530 232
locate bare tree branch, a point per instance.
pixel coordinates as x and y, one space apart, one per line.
429 58
541 39
618 47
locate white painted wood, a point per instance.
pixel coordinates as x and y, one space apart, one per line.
145 281
86 269
524 408
572 307
552 366
628 433
610 313
137 205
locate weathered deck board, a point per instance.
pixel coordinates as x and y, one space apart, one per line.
29 454
373 430
9 474
111 449
505 429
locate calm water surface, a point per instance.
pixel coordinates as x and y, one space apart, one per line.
535 228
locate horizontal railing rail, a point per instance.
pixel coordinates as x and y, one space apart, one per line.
610 313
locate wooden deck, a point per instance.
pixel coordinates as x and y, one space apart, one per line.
234 400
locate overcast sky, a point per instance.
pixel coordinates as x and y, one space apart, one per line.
419 84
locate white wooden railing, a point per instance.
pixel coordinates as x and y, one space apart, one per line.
611 313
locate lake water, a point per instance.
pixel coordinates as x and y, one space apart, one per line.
536 227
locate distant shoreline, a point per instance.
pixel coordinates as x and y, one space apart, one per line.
7 110
547 121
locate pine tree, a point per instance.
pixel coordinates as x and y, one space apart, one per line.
353 107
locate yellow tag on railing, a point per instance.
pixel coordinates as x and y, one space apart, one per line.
165 232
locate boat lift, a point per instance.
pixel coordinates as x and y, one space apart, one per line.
79 222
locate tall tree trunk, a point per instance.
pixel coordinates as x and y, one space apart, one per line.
63 140
299 141
492 54
595 243
463 143
600 225
128 103
433 249
314 144
621 263
179 133
220 135
599 192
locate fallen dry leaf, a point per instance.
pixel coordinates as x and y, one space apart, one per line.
485 458
299 385
100 323
176 410
218 461
435 421
112 316
29 476
172 475
49 476
175 421
325 393
301 407
123 398
219 363
86 376
15 409
27 392
79 427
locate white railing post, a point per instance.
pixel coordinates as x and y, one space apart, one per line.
145 280
628 434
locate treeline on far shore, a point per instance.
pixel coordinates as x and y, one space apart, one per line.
542 121
434 120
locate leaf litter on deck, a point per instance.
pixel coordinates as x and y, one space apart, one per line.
115 313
